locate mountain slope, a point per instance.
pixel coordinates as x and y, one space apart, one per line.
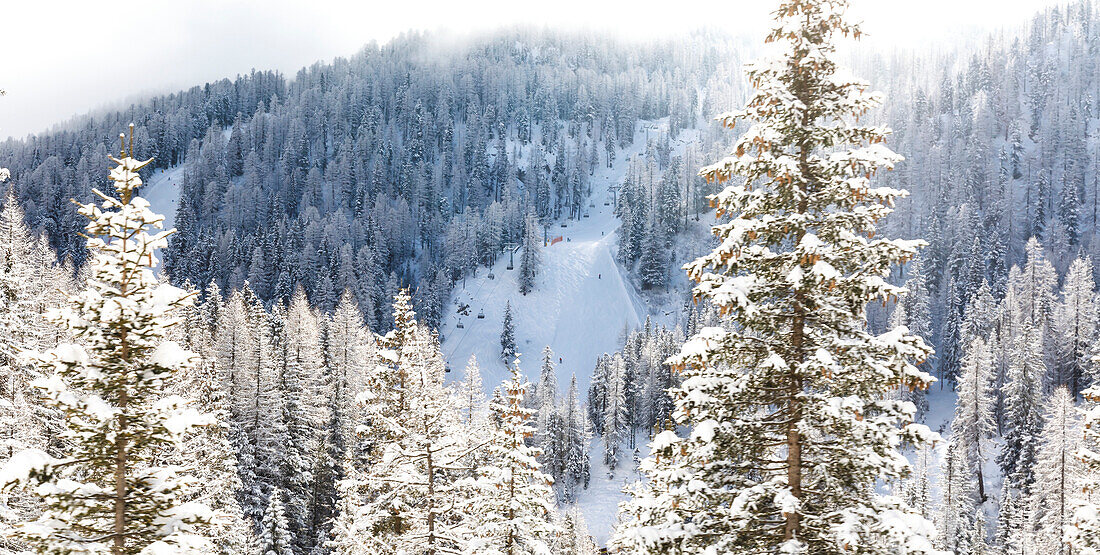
580 305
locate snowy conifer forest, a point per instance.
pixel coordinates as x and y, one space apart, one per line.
548 291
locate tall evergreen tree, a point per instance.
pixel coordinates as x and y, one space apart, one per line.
31 285
210 453
615 412
547 390
404 498
1022 394
957 502
1075 323
275 537
348 350
574 538
918 486
1058 473
973 424
1010 525
577 465
299 364
790 423
472 397
508 336
532 256
107 492
1083 534
652 265
514 508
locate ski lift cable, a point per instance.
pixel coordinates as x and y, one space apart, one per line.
466 330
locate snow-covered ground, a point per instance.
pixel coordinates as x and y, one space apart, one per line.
580 305
599 503
162 190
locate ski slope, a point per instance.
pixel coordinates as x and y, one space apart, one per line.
580 306
162 190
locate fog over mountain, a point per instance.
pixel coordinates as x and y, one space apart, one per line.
57 53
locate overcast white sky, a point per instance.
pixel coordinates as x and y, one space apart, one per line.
59 58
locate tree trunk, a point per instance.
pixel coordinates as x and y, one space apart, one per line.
119 533
431 502
798 334
119 541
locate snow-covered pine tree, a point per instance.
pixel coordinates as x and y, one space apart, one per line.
245 362
653 264
917 486
574 538
1022 400
1083 534
349 350
790 423
234 341
210 452
610 138
349 535
917 305
1075 324
981 314
1010 525
973 424
471 397
299 364
577 466
403 500
508 335
1058 473
31 285
107 493
551 439
597 394
1034 293
919 397
473 410
421 471
550 433
951 342
513 510
957 501
546 392
532 255
615 412
275 536
979 540
385 399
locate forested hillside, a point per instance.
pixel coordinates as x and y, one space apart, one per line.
1001 147
880 352
1003 162
405 165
